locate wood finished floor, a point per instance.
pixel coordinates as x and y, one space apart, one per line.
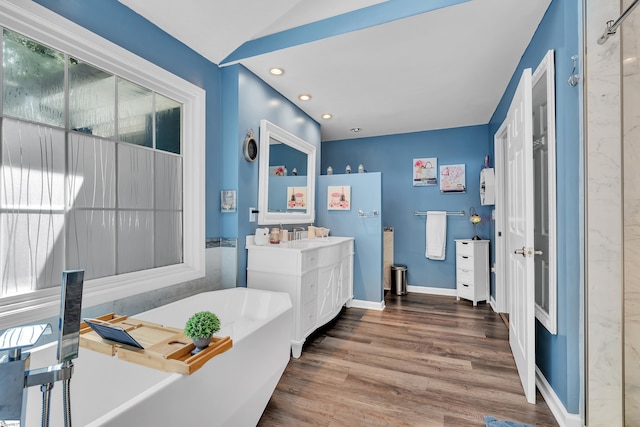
425 360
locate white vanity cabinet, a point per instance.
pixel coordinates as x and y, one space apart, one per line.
472 270
316 273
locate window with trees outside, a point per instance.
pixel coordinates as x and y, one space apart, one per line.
91 173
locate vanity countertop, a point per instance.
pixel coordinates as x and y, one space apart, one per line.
299 245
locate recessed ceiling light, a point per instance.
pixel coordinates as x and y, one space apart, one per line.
356 130
276 71
304 97
326 116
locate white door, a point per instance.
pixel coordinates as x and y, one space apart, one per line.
520 237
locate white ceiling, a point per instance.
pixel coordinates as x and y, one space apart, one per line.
441 69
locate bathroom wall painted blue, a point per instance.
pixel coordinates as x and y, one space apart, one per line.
229 165
366 195
393 156
255 100
120 25
557 356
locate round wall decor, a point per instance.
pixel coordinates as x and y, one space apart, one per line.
250 147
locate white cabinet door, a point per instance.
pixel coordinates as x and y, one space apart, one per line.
346 280
327 280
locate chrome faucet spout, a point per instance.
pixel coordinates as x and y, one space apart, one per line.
297 233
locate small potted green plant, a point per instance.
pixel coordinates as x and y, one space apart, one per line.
200 328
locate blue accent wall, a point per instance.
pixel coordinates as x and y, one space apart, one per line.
366 195
557 356
230 152
120 25
393 155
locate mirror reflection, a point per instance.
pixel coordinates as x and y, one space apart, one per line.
287 178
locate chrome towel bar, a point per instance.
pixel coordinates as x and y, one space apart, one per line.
367 214
457 213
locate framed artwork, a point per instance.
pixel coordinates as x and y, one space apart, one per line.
424 171
452 179
296 197
277 170
228 201
339 198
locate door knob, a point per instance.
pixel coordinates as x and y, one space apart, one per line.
527 252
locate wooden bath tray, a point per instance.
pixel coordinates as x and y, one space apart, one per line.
166 349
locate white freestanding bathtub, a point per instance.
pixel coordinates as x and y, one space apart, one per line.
231 389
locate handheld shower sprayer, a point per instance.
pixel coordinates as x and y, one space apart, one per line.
15 369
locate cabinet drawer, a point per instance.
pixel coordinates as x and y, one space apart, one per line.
464 248
465 290
465 276
309 287
308 317
328 255
464 262
346 249
309 260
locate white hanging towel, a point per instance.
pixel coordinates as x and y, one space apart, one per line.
436 235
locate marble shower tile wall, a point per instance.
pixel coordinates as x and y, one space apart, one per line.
630 33
604 359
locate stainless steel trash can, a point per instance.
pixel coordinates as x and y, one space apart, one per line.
399 279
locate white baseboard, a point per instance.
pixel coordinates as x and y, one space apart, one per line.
492 303
564 418
369 305
432 291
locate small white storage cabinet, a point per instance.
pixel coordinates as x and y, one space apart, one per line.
316 273
472 270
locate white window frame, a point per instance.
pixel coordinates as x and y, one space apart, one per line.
44 26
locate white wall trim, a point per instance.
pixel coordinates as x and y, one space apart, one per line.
431 291
493 304
564 418
369 305
43 25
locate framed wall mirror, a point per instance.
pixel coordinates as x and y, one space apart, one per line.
544 165
286 186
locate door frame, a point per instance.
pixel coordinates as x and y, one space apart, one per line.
501 264
501 300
